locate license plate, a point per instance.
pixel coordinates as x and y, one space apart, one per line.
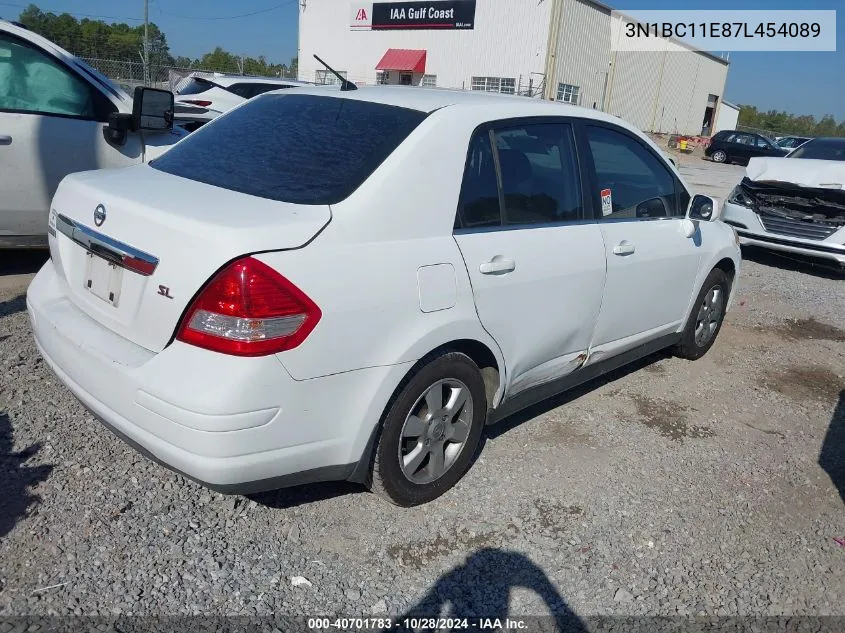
103 279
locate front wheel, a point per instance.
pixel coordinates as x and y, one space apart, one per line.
706 317
431 431
719 156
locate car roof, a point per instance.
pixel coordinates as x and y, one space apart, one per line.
431 99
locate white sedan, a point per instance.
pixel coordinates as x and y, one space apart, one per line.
348 285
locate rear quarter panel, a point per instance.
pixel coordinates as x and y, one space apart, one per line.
363 269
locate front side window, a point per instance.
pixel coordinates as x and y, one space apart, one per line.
540 177
632 182
33 82
568 93
763 143
303 149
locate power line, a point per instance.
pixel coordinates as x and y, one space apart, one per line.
83 15
224 17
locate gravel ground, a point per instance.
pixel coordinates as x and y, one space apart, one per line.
713 487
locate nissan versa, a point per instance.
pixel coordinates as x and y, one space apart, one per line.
350 284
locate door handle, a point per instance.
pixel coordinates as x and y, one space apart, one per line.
497 265
624 248
5 139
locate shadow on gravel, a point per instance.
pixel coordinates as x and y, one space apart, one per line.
481 588
796 263
832 455
513 421
299 495
12 306
16 478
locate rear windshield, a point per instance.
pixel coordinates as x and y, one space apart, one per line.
822 149
194 86
303 149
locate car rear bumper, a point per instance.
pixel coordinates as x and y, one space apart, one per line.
751 232
233 424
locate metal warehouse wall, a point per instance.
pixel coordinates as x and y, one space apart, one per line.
660 91
509 40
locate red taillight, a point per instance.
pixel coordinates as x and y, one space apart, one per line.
199 102
248 309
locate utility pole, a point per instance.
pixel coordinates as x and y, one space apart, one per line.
146 42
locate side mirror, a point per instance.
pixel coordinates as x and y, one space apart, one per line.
152 109
703 208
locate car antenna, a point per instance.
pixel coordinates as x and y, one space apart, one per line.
345 84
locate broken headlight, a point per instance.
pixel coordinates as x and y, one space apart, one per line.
740 196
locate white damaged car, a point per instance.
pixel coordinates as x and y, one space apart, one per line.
794 204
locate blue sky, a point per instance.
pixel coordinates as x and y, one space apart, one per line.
802 83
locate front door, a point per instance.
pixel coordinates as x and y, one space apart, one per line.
651 265
51 124
537 267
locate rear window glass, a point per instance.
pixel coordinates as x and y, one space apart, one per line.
303 149
194 86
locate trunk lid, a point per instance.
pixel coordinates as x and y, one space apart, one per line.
172 233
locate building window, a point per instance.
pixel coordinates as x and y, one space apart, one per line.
405 79
383 77
429 81
567 93
506 85
326 78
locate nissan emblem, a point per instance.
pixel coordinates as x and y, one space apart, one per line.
99 215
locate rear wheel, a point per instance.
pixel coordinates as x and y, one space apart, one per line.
431 431
719 156
707 316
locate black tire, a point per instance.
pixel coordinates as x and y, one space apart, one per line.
388 479
689 347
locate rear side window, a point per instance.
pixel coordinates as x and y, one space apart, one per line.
303 149
540 178
479 203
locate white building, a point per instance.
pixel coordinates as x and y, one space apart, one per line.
551 49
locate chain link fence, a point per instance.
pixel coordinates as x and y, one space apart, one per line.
129 74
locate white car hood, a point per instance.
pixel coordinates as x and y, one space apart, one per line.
804 172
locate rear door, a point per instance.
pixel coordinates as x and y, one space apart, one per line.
651 265
51 124
536 265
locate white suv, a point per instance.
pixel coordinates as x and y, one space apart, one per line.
351 284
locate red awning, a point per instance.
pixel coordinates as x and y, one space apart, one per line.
403 59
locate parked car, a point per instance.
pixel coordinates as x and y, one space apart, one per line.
794 204
206 97
730 146
363 279
55 113
791 142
